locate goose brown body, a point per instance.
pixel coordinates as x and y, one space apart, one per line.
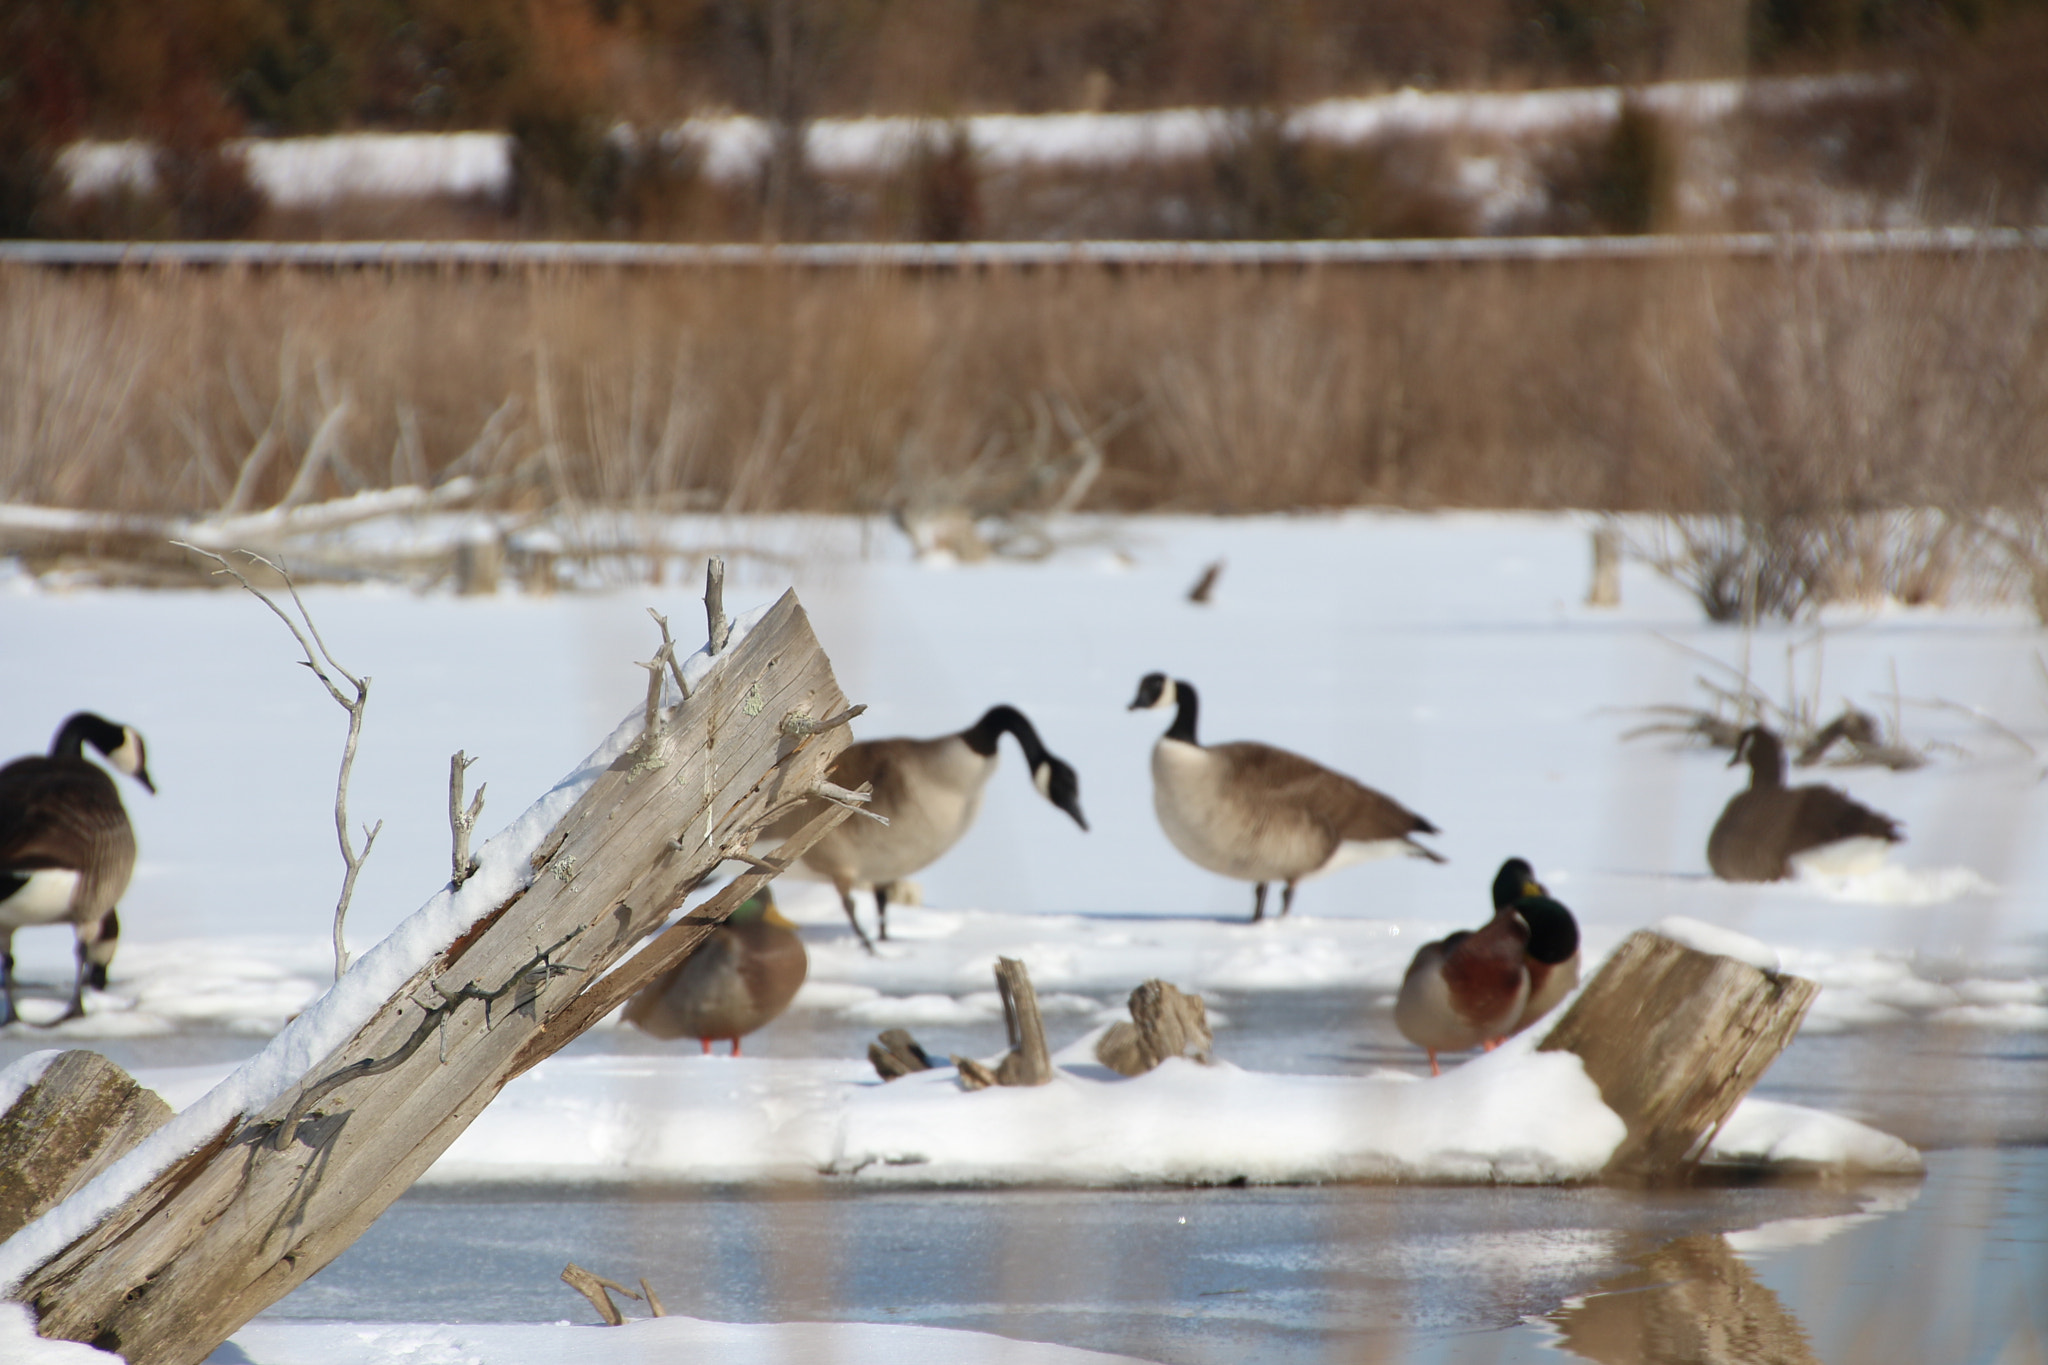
1763 828
740 978
67 849
930 791
1264 814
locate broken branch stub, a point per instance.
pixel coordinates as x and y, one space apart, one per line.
226 1230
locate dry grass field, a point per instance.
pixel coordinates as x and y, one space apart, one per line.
1791 386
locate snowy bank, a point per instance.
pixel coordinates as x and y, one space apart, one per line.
645 1342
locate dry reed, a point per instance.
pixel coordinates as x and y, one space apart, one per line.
1772 391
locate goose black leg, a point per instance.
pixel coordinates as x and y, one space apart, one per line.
7 1014
853 918
1258 902
882 911
1287 898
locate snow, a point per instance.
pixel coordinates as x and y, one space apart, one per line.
652 1341
1710 938
1455 669
300 172
1772 1133
23 1074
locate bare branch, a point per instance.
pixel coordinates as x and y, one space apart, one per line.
668 652
461 823
309 639
714 604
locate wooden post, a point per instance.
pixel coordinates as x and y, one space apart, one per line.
1165 1022
1029 1061
1674 1038
272 1197
79 1117
1606 587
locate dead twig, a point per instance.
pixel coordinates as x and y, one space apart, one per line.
460 822
351 860
598 1289
714 604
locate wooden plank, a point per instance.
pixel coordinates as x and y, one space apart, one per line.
209 1243
1674 1038
81 1116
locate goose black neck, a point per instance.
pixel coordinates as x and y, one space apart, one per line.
1766 760
82 729
1183 727
998 721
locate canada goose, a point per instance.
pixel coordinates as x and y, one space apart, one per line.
1262 814
66 848
1471 988
741 977
930 791
1552 955
1764 828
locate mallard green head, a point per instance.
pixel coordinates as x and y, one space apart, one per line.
1553 933
759 906
1515 880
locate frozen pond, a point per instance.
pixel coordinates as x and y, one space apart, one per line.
1192 1277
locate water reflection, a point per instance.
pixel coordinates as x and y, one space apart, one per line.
1692 1301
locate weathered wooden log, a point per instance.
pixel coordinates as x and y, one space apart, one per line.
1029 1061
1675 1037
1164 1023
79 1117
273 1196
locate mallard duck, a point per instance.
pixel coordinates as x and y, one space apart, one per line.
1552 955
741 977
67 849
1764 828
930 791
1470 989
1262 814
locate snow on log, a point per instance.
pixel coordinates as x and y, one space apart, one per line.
217 1233
75 1119
1675 1037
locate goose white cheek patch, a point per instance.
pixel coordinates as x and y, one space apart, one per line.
1041 778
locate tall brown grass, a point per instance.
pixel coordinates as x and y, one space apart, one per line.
1785 388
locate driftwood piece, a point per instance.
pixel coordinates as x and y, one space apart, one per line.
1164 1022
598 1289
1029 1061
81 1116
1674 1038
896 1054
222 1233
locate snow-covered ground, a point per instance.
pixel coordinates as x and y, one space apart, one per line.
300 172
1446 659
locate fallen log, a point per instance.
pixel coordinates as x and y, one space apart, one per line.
76 1119
1675 1037
233 1218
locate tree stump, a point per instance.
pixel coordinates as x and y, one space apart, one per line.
1674 1038
1164 1023
81 1116
1029 1061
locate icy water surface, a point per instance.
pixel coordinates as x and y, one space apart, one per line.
1950 1270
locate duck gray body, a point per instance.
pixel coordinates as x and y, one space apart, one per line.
67 849
930 791
1763 828
1264 814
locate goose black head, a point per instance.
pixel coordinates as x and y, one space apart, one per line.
1765 754
121 744
1515 880
1058 783
1155 693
